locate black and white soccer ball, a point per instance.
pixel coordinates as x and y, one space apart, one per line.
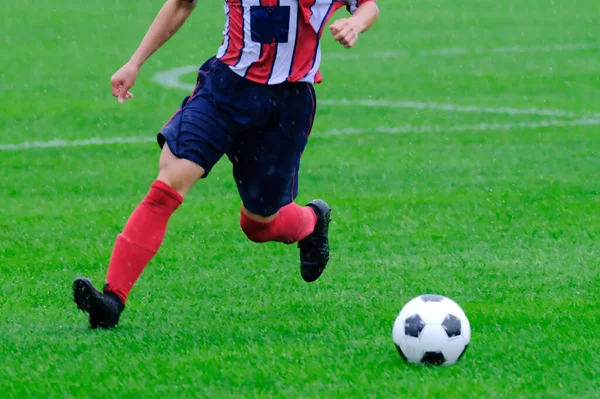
432 329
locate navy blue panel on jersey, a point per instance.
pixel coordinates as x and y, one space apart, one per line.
263 129
270 24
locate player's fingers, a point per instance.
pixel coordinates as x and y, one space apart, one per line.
115 89
123 92
116 84
339 36
344 32
347 30
350 40
337 26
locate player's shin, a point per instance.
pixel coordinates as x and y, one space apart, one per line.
141 238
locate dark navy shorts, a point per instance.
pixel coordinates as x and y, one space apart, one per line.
263 129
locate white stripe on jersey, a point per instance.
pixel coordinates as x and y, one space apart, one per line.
311 75
225 45
251 50
285 51
317 19
319 12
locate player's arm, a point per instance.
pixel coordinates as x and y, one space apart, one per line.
346 30
169 19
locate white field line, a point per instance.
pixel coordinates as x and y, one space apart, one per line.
60 143
450 107
171 78
480 127
456 51
405 129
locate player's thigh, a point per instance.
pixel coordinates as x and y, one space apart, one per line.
195 138
266 166
192 143
179 173
268 181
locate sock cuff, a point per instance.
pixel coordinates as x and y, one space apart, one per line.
165 188
248 221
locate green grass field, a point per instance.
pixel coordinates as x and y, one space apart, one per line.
465 162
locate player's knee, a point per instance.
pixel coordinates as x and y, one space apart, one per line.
179 173
255 230
174 180
253 233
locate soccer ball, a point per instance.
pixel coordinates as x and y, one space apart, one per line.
431 329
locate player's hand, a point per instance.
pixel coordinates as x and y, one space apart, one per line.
123 80
345 31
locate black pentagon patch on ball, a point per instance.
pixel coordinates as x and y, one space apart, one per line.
452 326
432 298
413 326
433 358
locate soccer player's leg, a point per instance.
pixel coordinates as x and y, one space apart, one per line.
266 171
192 142
139 241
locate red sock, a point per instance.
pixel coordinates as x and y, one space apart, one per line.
292 224
141 238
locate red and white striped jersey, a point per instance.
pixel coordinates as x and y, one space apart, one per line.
273 41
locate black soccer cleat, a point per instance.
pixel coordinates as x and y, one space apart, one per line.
314 249
104 308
